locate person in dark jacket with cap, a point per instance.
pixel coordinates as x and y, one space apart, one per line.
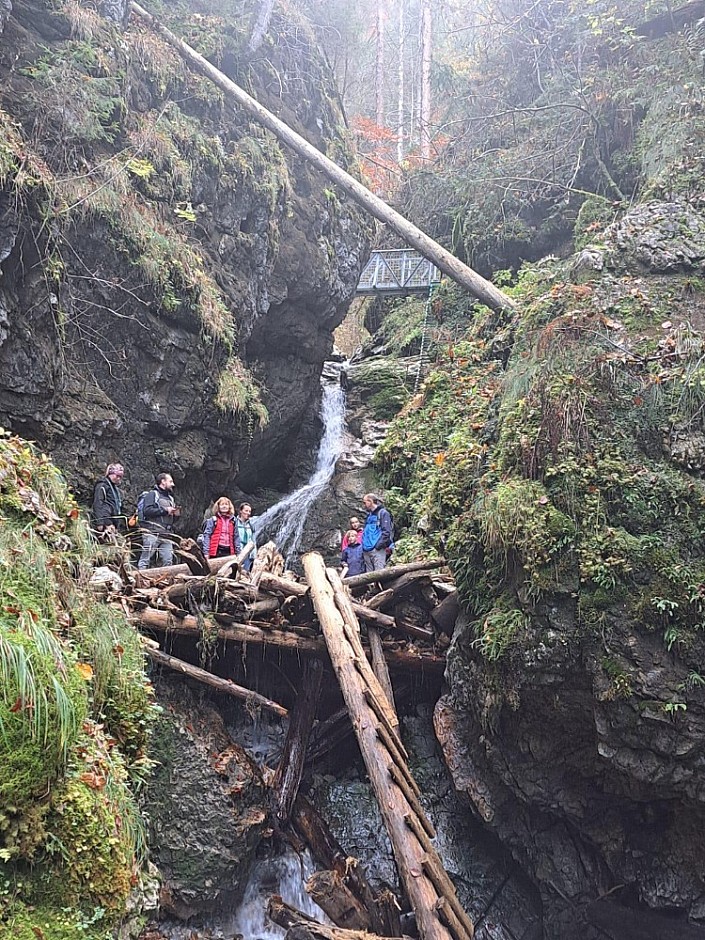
108 517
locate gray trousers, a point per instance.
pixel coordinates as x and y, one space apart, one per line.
375 560
153 544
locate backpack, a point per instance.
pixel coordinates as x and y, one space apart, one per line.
139 514
373 530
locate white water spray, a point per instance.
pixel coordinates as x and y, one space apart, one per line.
285 876
285 521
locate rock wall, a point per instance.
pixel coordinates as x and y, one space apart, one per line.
170 278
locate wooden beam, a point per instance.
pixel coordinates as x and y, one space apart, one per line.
379 665
477 285
291 766
392 803
392 572
226 686
162 621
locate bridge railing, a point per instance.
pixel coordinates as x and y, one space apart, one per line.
398 271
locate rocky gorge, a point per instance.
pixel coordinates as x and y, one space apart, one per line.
171 281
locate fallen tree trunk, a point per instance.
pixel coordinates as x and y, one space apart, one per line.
408 852
303 927
337 901
391 573
484 290
162 621
226 686
312 829
291 766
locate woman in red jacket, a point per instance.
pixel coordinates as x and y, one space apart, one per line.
220 534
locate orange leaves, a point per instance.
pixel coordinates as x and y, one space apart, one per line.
85 670
439 459
93 779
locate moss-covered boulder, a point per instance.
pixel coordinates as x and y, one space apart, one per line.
206 804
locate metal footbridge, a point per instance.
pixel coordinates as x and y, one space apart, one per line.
398 271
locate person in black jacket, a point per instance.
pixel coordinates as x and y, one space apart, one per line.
159 511
108 517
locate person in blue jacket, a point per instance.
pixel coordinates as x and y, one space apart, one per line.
351 556
378 533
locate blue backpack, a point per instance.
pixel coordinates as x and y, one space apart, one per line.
372 532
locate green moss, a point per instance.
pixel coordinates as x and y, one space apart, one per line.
95 834
537 453
68 666
239 395
49 923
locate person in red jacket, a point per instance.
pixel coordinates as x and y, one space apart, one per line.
220 535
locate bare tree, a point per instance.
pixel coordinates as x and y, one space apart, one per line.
400 87
379 65
426 55
261 24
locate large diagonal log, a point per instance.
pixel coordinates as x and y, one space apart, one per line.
215 682
484 290
161 621
408 852
291 765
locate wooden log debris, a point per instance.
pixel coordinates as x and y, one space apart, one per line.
394 796
163 621
328 890
226 686
327 852
291 765
300 926
391 573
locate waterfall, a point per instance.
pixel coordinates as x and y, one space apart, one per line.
284 522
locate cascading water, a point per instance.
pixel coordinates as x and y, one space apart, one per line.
285 876
284 522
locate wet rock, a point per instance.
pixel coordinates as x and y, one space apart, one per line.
206 805
686 448
582 764
5 10
589 262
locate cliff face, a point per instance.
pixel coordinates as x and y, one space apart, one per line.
556 457
170 278
559 453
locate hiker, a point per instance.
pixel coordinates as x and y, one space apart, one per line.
107 502
378 533
356 527
246 533
157 510
220 534
351 556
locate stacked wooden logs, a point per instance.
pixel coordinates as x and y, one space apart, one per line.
399 607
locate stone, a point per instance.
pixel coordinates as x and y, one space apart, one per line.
207 806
